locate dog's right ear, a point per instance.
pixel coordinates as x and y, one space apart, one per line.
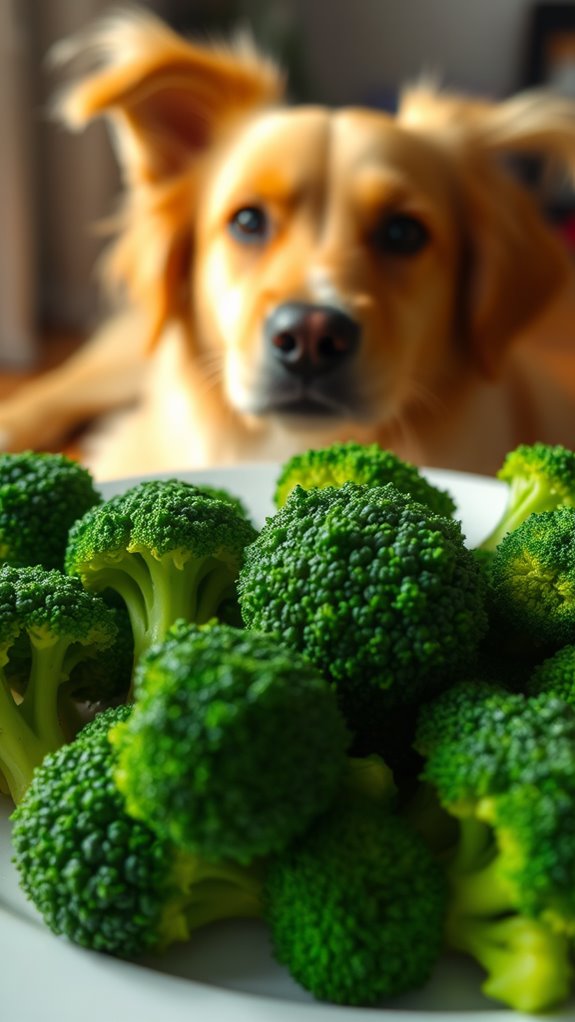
164 96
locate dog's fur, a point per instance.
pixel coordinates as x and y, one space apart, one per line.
436 367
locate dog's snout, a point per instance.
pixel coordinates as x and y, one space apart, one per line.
311 339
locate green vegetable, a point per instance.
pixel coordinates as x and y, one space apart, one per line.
532 578
359 463
51 625
41 495
503 766
103 879
356 906
167 548
372 587
235 743
556 676
540 477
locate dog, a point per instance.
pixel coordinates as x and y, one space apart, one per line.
289 276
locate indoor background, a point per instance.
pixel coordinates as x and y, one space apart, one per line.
55 187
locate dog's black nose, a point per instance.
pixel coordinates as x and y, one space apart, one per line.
310 339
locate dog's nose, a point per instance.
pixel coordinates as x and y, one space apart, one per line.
310 339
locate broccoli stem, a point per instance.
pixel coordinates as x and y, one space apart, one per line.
21 750
475 846
188 588
207 892
525 497
158 591
527 965
40 702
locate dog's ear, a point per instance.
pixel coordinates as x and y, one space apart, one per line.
515 263
165 99
163 95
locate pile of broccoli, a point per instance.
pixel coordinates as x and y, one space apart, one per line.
350 725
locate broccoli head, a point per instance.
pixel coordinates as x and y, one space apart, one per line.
99 877
368 464
503 766
555 675
234 746
540 477
372 587
41 495
168 548
48 625
532 578
356 906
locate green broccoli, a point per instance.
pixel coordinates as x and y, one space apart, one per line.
532 579
99 877
235 744
555 675
540 477
41 495
228 498
375 589
167 548
356 905
503 766
50 624
359 463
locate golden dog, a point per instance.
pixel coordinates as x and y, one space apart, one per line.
295 275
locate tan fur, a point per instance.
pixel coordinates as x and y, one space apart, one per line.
452 369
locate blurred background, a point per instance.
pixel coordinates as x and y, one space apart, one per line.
55 187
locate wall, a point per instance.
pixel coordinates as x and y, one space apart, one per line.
356 48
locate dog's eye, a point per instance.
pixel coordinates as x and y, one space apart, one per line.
250 224
401 234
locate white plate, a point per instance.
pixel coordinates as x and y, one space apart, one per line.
226 974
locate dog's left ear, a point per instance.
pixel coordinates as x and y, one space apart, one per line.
166 100
163 95
515 263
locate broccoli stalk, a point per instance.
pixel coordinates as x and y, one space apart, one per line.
527 965
104 880
540 478
54 625
527 962
170 550
503 766
159 590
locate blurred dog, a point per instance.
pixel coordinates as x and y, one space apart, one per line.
295 275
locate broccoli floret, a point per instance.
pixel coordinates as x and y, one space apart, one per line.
372 587
167 548
556 676
52 624
356 906
99 877
368 464
540 478
235 744
503 766
41 495
228 498
532 579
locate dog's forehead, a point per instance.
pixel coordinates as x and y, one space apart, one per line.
294 145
